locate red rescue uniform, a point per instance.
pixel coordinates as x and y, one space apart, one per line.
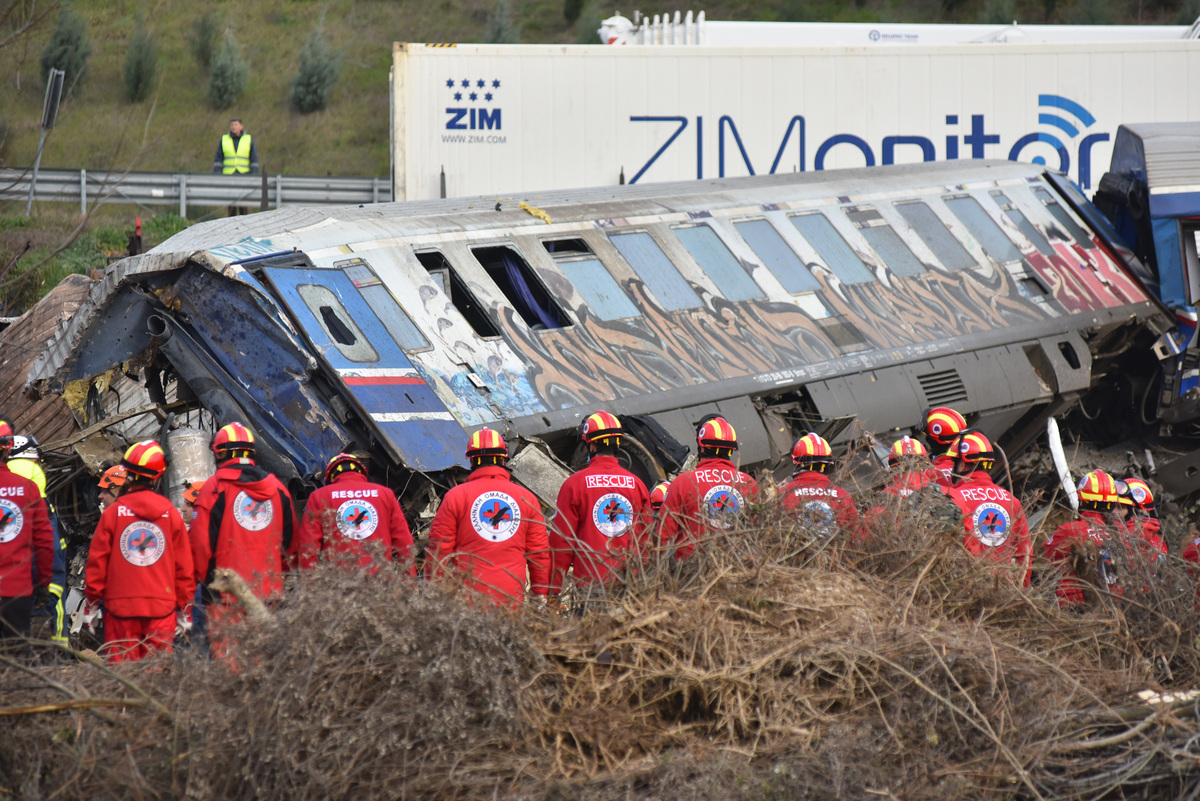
600 519
492 530
944 465
996 528
828 510
140 567
1092 526
244 521
352 516
26 541
704 500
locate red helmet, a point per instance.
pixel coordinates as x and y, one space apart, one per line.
341 463
1098 487
905 446
717 433
943 424
972 447
658 495
191 491
6 439
486 442
812 449
145 460
1139 492
601 426
113 477
232 438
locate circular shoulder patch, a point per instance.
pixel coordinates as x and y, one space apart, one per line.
612 514
12 520
357 520
252 515
990 524
819 517
722 504
1138 493
495 516
142 543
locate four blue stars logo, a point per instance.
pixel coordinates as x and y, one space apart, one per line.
480 83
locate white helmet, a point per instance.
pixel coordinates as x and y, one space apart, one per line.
24 448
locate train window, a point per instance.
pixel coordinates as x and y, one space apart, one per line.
448 279
599 289
936 236
559 248
381 301
991 237
883 240
721 266
652 266
1027 228
830 246
336 322
1059 213
781 260
522 287
844 334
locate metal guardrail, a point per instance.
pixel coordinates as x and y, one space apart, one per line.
197 189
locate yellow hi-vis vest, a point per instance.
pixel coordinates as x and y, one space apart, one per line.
236 160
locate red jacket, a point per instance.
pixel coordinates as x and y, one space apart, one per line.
244 521
350 514
944 465
1148 531
491 529
601 515
702 500
1100 530
996 528
26 541
812 498
139 563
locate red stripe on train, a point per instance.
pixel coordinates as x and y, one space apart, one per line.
378 380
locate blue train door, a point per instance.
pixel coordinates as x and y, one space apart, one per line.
337 314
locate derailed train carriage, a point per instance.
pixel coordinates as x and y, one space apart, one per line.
786 303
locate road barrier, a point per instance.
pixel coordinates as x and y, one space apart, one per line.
197 189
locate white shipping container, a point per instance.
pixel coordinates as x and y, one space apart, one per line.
503 119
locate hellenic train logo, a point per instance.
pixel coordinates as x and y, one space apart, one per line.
473 104
495 516
612 514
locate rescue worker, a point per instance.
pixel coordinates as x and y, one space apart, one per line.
490 529
236 154
600 514
352 516
26 546
812 499
709 498
245 521
658 495
940 427
1134 495
914 471
24 461
139 563
110 485
996 528
1096 525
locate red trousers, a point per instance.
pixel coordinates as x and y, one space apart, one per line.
128 639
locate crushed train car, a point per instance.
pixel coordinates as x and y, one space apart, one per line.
786 303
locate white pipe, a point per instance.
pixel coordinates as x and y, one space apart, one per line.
1060 462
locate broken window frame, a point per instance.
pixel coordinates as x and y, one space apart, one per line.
334 304
1022 221
455 289
393 320
541 302
1063 217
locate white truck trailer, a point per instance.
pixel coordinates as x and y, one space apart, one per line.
501 119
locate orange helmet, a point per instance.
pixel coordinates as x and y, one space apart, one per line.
113 477
191 491
717 433
601 426
145 460
905 446
1139 492
341 463
658 495
943 424
486 442
232 438
972 447
6 439
1098 487
812 449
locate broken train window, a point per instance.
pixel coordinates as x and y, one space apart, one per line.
383 303
452 285
522 287
336 322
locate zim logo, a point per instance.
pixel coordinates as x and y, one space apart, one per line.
473 118
495 516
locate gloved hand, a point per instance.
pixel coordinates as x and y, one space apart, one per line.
91 613
43 598
183 622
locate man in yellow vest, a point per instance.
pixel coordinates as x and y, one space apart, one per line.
235 152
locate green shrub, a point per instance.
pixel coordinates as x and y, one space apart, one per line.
1091 12
572 9
998 12
501 29
318 74
203 39
229 74
67 50
1188 12
588 24
140 62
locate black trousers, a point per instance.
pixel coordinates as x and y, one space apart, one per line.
14 616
